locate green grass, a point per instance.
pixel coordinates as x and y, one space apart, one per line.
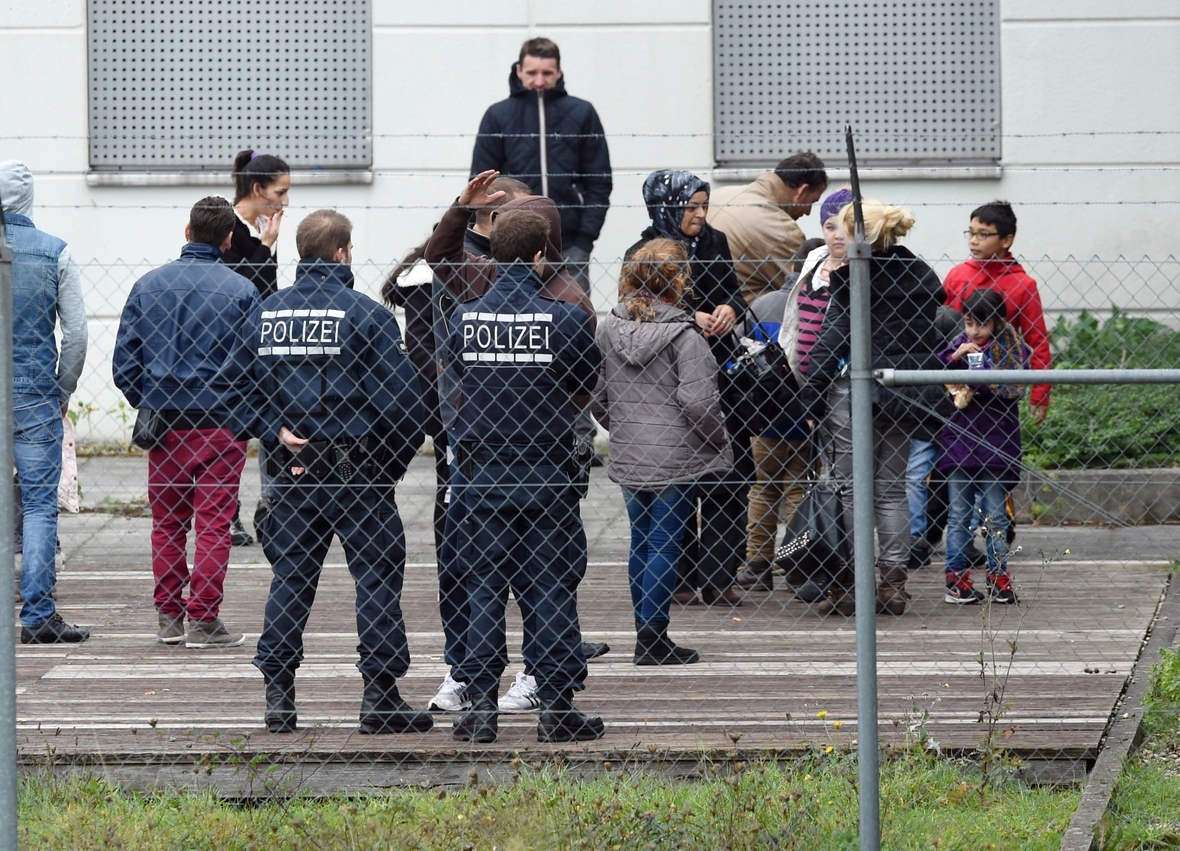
808 804
1145 809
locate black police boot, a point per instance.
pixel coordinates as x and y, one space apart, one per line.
560 722
479 723
280 714
384 711
654 647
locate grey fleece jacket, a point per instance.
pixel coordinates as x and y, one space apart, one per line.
657 394
16 196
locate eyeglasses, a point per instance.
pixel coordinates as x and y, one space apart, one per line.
978 234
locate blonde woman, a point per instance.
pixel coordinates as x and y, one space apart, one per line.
904 296
658 396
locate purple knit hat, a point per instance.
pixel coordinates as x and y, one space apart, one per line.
834 203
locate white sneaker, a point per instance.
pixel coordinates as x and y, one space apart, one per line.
522 696
452 697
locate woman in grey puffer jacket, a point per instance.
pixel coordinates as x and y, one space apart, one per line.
658 396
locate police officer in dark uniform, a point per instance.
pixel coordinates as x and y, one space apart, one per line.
339 395
520 361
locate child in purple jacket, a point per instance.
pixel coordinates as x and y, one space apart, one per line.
981 447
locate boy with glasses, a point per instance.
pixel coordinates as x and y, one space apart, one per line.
992 266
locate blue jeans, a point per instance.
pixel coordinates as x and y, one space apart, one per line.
657 525
923 454
966 486
36 448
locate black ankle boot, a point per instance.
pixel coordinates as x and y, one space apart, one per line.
280 714
384 711
480 723
653 647
560 722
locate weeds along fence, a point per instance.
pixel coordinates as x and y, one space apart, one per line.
1023 689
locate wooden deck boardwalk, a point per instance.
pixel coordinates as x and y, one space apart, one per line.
148 715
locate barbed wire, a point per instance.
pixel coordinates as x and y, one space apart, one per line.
745 133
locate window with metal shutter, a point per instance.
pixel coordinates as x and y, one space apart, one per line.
186 85
918 80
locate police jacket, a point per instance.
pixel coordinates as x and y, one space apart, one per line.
555 143
519 359
330 365
175 350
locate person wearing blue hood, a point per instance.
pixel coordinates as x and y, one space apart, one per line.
554 142
46 290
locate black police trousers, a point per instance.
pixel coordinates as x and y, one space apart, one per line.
299 531
521 529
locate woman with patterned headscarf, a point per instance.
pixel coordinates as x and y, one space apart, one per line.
677 202
714 548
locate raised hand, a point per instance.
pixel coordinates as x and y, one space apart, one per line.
475 193
270 231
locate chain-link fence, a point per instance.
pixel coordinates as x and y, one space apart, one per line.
660 588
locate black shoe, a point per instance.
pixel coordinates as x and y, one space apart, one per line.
384 711
238 536
810 592
560 722
280 714
920 554
731 596
594 649
53 631
976 558
653 647
480 723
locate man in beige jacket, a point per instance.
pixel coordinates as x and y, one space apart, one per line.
759 220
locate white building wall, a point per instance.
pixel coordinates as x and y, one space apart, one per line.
1108 73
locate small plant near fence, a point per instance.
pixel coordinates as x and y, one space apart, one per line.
1109 426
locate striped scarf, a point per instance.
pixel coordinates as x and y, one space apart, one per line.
1007 351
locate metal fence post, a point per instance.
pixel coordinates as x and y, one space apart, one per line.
860 361
8 809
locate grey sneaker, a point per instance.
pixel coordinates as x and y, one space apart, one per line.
211 634
171 629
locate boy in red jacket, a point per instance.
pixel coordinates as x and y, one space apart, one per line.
989 239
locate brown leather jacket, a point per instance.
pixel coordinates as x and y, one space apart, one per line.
469 276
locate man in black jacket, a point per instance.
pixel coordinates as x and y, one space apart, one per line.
555 143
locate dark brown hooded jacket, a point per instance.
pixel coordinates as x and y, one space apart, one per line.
469 276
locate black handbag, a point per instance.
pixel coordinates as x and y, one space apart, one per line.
815 547
758 390
149 429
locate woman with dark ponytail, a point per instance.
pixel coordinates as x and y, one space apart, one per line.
261 185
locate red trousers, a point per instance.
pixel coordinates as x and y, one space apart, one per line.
193 480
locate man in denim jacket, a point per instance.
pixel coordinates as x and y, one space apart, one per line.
174 355
46 288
